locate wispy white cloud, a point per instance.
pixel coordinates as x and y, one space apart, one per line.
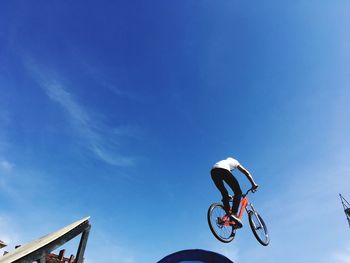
87 128
101 140
342 255
303 213
57 93
230 252
5 120
107 249
19 186
8 230
6 166
97 76
119 254
111 82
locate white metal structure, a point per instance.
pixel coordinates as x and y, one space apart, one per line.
38 249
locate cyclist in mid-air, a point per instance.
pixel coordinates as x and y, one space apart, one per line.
222 172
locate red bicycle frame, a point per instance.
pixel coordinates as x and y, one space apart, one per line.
243 204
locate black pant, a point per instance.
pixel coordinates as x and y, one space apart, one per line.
220 176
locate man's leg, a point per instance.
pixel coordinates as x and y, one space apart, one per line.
233 183
217 176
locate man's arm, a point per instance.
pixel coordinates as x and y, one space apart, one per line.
248 175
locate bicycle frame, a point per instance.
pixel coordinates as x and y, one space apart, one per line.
224 227
243 205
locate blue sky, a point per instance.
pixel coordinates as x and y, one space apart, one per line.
118 109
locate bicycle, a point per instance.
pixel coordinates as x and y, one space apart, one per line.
225 230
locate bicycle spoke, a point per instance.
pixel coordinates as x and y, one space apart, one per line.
217 221
259 228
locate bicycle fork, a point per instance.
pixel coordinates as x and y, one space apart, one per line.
250 209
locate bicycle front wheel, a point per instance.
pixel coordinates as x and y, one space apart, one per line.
259 228
218 224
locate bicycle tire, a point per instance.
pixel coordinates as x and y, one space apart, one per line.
262 228
212 221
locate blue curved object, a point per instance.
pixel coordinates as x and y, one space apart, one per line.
195 256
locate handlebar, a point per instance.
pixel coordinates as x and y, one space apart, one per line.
250 190
244 195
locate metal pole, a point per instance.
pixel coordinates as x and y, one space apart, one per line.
82 245
346 207
42 259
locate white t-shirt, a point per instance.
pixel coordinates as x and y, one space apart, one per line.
228 164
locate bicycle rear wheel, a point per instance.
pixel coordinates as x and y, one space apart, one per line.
223 232
259 228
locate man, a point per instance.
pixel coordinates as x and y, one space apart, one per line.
222 172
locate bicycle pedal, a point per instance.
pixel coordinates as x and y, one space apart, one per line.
237 224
